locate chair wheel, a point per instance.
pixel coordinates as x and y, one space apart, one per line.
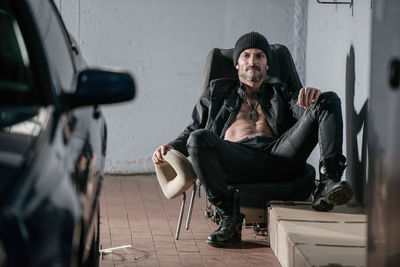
260 229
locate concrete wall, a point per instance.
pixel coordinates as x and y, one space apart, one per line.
165 44
338 59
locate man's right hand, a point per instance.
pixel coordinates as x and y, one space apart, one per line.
158 154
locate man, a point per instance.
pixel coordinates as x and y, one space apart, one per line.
248 129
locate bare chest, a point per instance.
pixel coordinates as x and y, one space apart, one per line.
249 120
250 113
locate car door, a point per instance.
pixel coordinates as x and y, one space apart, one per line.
84 127
52 138
39 210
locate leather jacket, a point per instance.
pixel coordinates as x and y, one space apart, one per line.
220 103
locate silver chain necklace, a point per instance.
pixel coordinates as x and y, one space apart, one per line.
253 111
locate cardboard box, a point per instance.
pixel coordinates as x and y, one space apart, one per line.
295 223
310 255
290 234
302 211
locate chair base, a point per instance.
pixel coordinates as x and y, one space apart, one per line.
254 215
254 199
255 218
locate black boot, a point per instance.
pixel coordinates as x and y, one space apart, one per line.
230 226
331 191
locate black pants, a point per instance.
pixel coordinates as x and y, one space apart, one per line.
267 159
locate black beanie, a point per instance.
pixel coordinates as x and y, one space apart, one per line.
250 40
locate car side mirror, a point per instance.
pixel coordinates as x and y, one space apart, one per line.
99 86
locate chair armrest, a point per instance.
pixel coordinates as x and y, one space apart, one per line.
176 175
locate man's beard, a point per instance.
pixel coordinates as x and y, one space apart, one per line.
253 78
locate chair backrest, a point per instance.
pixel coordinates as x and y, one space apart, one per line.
281 66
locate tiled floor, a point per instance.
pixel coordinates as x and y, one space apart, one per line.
135 212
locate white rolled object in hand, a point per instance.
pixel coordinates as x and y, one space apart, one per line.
176 174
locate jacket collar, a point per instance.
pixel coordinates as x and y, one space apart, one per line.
261 91
235 99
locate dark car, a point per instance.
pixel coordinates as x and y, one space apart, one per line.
53 139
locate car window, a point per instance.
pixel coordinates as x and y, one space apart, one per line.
19 101
56 43
15 74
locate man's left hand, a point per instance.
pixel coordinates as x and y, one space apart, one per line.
308 96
